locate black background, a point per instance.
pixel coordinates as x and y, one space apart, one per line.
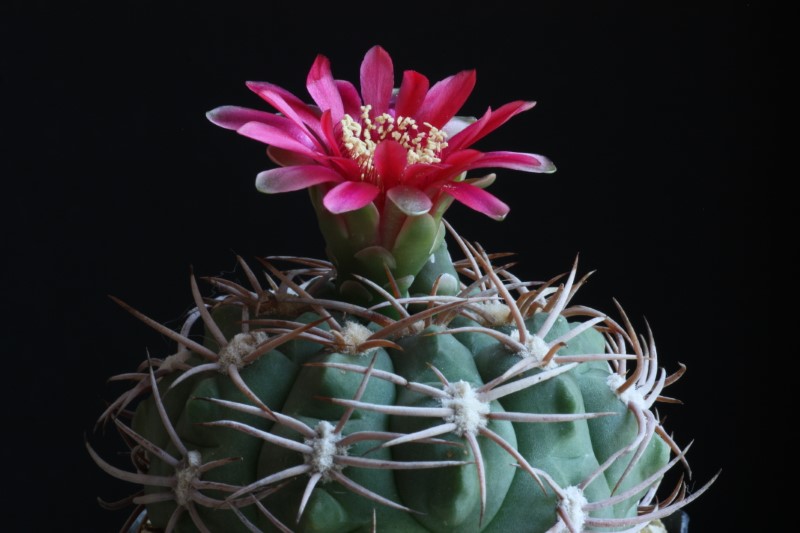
114 183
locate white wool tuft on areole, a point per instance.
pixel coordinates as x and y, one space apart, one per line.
572 505
631 396
469 411
324 447
238 348
185 476
535 347
354 335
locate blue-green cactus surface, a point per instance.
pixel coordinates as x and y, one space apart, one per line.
497 406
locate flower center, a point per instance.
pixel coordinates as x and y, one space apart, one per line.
423 142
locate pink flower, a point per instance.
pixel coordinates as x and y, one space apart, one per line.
404 145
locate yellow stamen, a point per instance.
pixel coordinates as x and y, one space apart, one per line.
362 139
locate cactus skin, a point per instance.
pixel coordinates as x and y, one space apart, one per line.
310 377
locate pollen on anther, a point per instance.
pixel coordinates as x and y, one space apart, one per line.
361 138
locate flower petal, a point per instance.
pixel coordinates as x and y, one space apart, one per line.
287 179
351 100
418 174
326 124
489 122
442 173
276 137
515 161
377 79
445 98
286 158
411 201
288 104
323 89
233 117
456 125
345 166
412 93
477 199
390 160
349 196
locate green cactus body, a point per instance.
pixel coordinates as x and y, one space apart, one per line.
443 385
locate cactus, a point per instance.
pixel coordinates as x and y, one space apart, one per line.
390 388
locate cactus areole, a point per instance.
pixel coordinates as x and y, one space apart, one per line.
390 387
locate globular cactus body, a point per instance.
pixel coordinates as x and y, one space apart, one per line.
436 416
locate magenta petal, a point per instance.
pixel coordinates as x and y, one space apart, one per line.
390 160
419 174
377 79
443 172
326 124
454 165
411 201
287 179
515 161
275 137
412 93
323 89
345 166
234 117
287 103
445 98
489 122
349 196
351 100
466 137
477 199
286 158
456 125
284 101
